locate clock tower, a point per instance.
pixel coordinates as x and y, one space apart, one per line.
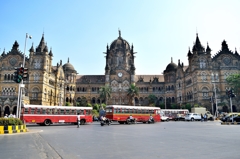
120 68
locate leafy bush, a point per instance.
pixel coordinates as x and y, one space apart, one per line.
10 121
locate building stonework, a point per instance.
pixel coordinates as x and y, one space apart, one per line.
179 84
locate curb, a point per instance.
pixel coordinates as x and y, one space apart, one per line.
230 123
13 129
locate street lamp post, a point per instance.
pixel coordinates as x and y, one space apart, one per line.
21 85
214 87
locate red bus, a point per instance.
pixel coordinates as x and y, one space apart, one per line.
120 113
46 115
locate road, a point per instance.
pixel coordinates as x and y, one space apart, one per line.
178 140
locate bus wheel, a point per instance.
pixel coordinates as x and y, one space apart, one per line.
82 122
47 122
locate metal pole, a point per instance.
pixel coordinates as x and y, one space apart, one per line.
17 113
212 104
216 100
231 107
21 84
165 103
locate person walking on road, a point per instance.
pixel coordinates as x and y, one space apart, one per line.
201 118
78 120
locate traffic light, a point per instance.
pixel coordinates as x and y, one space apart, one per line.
25 73
18 74
230 93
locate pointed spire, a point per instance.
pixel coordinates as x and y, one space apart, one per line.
171 60
41 45
224 46
236 51
50 53
208 50
189 53
68 59
197 46
15 45
3 53
119 32
45 49
31 49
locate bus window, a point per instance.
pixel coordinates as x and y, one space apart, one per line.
61 111
43 111
54 111
38 111
67 111
25 110
74 112
126 111
78 111
81 112
115 110
49 111
32 110
139 111
123 110
119 110
87 112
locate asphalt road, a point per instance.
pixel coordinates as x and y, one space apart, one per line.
177 140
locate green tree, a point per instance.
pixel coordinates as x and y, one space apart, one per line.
67 104
105 92
234 82
152 99
131 93
162 105
173 106
96 107
83 101
89 105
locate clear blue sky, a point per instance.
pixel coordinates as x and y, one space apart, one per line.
158 29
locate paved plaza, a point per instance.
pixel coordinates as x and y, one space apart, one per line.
177 140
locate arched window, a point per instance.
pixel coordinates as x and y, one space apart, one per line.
204 76
205 92
202 63
35 92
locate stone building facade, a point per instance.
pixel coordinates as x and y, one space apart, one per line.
179 84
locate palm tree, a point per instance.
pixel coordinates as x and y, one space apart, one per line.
132 92
105 92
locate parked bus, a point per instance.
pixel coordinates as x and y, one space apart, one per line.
120 113
175 114
46 115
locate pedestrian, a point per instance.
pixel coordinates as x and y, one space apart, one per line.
6 116
205 117
201 118
78 120
14 116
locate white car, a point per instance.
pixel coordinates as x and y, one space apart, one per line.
164 118
192 117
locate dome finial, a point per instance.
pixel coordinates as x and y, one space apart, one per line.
119 32
68 60
171 60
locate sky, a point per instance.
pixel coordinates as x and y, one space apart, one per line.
158 29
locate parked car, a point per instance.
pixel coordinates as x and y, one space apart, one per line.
234 118
228 116
164 118
192 117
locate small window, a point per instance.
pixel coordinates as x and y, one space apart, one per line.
43 111
32 110
67 111
62 111
38 111
25 110
81 112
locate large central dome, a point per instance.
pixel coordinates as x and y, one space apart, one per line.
120 43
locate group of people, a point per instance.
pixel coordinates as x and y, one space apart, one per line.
204 117
10 116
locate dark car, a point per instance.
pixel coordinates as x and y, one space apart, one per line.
235 118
